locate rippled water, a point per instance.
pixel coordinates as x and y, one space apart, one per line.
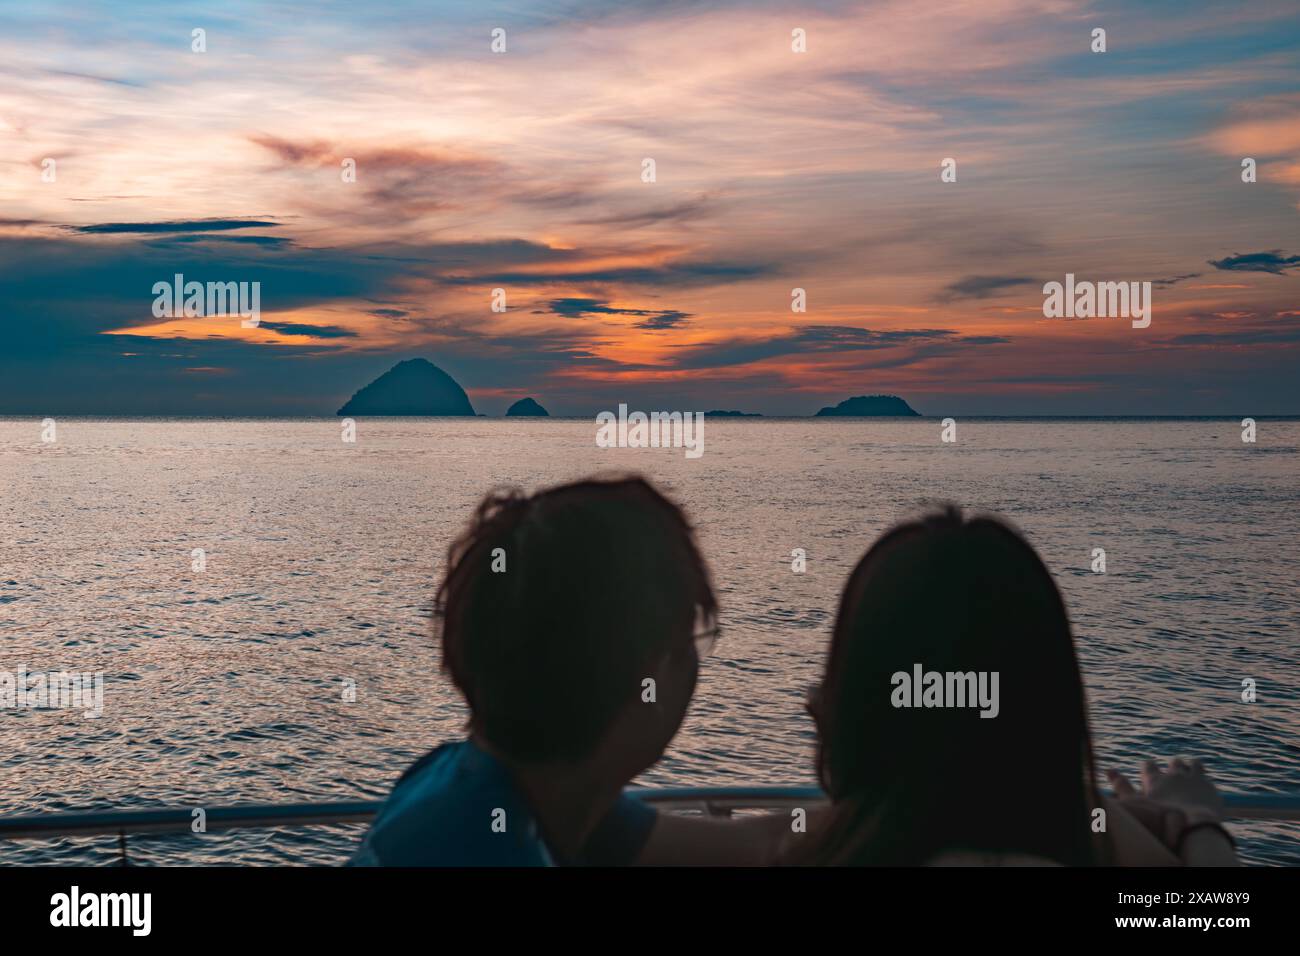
223 687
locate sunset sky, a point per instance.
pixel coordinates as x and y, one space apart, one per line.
774 170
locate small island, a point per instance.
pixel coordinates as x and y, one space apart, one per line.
418 387
413 387
527 407
863 406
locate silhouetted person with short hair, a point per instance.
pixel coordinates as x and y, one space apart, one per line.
571 620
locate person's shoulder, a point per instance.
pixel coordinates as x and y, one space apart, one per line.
620 836
438 755
452 807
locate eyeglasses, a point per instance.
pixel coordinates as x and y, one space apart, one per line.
705 640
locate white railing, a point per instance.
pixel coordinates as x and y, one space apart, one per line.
715 801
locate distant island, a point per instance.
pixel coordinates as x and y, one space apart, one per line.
413 387
863 406
527 407
418 387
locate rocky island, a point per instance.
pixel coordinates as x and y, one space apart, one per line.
413 387
863 406
527 407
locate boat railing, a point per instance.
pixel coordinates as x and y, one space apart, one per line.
713 801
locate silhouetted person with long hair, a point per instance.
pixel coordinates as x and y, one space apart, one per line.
953 723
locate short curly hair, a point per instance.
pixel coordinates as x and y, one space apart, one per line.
594 583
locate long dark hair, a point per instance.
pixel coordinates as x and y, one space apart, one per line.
953 595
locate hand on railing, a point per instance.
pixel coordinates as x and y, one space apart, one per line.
1182 808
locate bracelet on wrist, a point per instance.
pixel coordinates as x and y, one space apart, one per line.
1203 825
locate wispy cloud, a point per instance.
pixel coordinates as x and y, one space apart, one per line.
980 287
655 320
1274 262
173 226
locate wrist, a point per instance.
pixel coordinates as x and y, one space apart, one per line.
1206 843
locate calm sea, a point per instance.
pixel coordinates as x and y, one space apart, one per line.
224 686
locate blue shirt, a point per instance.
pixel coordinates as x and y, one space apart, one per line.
459 806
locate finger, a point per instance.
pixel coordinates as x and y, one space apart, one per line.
1198 766
1180 765
1150 774
1119 783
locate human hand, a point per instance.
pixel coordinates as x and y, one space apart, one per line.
1171 802
1184 784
